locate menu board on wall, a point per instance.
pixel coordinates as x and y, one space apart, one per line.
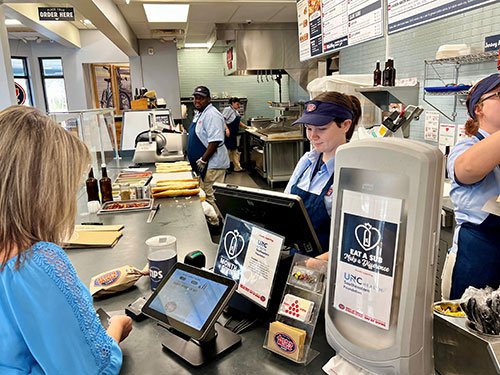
404 14
328 25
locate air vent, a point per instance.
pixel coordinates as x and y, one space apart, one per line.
167 33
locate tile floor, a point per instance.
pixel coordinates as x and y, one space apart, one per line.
252 179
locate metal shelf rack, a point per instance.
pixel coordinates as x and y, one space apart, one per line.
431 74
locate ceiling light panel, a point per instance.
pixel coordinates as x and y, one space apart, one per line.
166 12
12 22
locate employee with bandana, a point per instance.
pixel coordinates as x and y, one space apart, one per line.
330 119
473 167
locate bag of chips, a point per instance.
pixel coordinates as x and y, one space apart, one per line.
115 280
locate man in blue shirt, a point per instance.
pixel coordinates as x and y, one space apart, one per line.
206 150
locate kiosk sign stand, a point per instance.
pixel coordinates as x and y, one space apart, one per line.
384 239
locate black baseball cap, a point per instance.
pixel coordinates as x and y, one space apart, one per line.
201 90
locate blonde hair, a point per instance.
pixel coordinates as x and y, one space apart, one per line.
42 168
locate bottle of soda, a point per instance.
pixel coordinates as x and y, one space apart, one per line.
92 189
105 185
377 75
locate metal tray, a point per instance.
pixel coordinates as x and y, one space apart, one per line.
106 210
445 304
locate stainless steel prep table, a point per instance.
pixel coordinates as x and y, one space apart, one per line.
275 157
142 350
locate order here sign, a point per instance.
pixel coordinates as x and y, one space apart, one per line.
56 14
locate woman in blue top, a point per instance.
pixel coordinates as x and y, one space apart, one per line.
330 119
47 322
473 167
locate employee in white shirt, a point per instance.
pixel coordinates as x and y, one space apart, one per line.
330 119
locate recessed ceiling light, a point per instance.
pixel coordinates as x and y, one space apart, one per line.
87 22
166 12
12 22
195 45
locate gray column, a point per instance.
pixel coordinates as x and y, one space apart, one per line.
7 88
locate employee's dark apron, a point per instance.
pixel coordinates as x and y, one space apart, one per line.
316 208
196 148
233 126
478 258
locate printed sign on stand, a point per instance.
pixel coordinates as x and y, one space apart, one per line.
368 244
249 255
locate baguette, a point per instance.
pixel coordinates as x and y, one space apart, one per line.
177 163
179 168
176 193
168 182
176 186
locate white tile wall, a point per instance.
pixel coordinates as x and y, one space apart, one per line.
197 67
411 47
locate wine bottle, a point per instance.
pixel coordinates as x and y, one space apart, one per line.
393 72
105 185
92 189
377 75
386 75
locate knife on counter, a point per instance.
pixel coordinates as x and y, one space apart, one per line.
152 213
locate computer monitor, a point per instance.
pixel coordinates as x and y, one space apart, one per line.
282 213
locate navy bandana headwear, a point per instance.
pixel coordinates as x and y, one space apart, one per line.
320 113
479 89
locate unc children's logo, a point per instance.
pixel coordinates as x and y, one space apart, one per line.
285 342
310 107
107 279
233 244
368 237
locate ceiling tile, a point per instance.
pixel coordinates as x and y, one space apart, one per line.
287 14
216 13
256 12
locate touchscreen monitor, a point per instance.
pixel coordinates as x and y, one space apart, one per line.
190 300
284 214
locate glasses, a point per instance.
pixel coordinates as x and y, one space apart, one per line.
497 94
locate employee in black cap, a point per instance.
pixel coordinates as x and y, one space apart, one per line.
330 119
233 122
473 167
206 150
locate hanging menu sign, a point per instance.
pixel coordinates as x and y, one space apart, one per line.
328 25
404 14
56 14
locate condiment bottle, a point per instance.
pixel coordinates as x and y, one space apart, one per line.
105 185
377 75
92 189
125 192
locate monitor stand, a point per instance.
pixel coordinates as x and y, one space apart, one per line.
196 352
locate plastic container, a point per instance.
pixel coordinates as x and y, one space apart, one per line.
125 192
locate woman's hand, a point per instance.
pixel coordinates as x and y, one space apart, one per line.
119 327
227 132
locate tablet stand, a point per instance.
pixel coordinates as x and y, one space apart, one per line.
195 352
